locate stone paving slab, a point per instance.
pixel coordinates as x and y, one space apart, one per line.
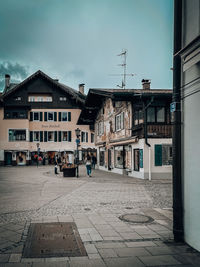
95 205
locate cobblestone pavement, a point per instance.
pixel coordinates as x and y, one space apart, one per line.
31 194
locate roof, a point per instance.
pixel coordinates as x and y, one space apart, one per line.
95 98
15 86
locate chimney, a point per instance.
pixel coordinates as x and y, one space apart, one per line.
146 84
81 88
7 80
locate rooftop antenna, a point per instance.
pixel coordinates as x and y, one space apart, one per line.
123 54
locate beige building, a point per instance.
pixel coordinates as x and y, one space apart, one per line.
38 117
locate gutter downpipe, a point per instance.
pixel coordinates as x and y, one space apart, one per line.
145 135
178 227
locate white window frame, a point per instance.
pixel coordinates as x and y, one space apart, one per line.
48 136
31 99
34 136
49 99
50 112
38 115
63 98
62 136
119 120
18 140
62 115
100 128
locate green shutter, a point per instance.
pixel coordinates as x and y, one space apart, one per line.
59 135
45 116
69 116
55 116
59 117
87 137
41 116
158 155
31 116
55 136
69 135
141 158
41 136
45 136
31 136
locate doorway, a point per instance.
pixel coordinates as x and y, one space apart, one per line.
8 158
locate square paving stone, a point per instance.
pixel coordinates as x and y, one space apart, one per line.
125 262
159 260
130 252
53 240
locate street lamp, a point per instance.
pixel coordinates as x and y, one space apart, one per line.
77 131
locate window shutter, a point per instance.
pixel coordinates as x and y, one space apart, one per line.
141 158
55 116
55 136
45 136
31 116
69 116
158 155
59 135
87 137
82 136
59 116
41 136
45 116
122 120
41 116
69 135
31 136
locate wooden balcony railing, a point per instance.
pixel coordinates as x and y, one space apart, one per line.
158 130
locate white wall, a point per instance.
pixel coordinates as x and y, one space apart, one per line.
191 171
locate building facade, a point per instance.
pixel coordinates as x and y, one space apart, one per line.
38 118
186 99
133 132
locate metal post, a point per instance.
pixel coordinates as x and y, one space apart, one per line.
77 160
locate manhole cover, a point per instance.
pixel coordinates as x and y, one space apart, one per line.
136 218
53 240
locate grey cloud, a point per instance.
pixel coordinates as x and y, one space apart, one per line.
15 70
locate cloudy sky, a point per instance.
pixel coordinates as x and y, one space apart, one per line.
77 41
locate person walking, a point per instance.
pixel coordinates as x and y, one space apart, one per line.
88 165
94 161
56 168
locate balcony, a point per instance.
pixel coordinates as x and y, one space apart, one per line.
153 130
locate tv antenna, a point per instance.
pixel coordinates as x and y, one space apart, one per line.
124 55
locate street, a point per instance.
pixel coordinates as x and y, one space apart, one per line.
31 195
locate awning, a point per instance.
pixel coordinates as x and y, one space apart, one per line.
125 142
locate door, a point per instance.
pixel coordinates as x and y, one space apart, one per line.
8 158
109 159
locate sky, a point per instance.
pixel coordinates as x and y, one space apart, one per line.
78 41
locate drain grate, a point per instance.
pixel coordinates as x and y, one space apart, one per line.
53 240
136 218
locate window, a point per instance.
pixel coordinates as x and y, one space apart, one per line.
163 155
138 159
50 116
101 158
92 138
66 136
119 121
31 99
15 114
17 98
119 157
138 117
49 99
64 116
36 116
63 98
17 135
36 136
84 137
156 114
50 136
40 99
100 128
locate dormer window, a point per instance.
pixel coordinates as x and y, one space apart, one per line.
63 98
40 98
17 98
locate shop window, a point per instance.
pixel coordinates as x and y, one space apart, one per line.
163 155
102 158
119 157
17 135
50 136
156 114
119 121
36 136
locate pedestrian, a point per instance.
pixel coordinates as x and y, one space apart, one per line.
88 165
94 161
56 168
